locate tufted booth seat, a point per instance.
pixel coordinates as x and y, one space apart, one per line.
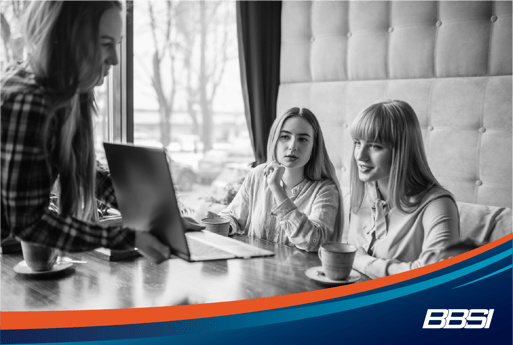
484 223
450 60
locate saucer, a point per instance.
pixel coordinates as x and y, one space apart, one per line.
22 268
317 274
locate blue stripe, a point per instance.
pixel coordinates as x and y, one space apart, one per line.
486 276
359 302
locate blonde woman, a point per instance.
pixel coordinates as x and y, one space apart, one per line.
400 215
294 198
47 107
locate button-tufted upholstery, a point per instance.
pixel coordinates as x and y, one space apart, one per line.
450 60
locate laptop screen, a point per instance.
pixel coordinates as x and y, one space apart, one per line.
146 197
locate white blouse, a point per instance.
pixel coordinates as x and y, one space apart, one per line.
306 220
403 241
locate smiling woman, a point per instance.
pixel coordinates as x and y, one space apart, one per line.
374 162
401 216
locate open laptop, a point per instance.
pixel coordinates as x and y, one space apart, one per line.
146 197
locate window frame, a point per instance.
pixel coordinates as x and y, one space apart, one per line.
121 85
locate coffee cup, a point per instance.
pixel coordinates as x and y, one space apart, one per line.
219 225
337 259
37 257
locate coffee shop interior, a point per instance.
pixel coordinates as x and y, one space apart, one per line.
203 81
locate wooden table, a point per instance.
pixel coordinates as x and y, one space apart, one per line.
135 282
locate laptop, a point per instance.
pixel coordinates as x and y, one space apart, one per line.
147 201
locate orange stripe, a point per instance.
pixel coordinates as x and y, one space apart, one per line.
109 317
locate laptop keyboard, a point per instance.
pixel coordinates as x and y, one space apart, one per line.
201 249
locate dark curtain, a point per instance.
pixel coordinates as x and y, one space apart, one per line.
259 37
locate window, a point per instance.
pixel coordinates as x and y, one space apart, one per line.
12 43
187 91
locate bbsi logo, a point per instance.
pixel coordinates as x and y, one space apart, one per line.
464 318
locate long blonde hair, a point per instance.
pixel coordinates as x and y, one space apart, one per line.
319 167
64 52
394 124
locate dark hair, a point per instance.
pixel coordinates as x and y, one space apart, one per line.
63 47
63 44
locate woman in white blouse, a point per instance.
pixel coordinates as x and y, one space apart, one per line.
400 215
294 198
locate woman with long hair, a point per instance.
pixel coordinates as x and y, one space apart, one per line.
294 198
47 106
400 215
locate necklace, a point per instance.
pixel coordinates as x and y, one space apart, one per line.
293 190
283 183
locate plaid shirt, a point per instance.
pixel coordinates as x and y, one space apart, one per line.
26 181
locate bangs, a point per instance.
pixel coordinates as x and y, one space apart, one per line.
373 125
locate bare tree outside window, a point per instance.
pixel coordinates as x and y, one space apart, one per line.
192 42
187 86
187 90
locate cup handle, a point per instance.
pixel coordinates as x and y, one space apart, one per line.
319 253
55 255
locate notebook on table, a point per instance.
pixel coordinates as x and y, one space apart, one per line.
113 218
10 245
147 200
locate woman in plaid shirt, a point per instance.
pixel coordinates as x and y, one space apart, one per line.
47 109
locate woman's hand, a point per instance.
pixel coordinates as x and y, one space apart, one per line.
359 259
151 248
211 214
360 252
191 224
274 173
